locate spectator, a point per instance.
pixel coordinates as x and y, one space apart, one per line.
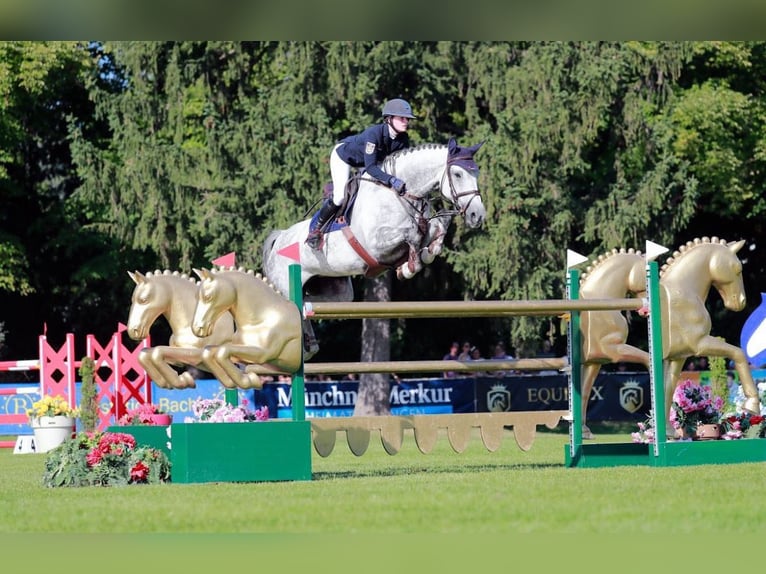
500 355
465 353
453 354
475 355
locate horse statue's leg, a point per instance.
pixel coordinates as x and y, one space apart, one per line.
671 372
589 373
715 347
156 363
210 357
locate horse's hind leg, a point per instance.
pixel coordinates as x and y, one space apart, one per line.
590 372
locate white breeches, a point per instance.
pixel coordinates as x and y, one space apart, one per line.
340 172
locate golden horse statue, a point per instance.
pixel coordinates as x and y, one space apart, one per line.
268 328
615 275
685 282
174 296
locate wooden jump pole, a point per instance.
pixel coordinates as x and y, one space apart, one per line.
436 309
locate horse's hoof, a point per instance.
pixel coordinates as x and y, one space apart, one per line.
586 433
252 381
753 405
186 381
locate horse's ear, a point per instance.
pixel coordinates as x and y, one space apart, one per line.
137 277
452 146
736 246
474 148
201 273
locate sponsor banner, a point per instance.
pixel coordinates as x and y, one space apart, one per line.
615 397
407 397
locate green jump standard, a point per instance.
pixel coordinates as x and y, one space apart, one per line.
277 450
676 453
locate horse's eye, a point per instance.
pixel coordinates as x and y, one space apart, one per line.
458 175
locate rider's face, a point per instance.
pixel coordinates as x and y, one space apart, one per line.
399 123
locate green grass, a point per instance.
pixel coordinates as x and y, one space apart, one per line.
475 492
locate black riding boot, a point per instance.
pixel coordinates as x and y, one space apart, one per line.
316 234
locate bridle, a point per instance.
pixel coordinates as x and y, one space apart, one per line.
468 164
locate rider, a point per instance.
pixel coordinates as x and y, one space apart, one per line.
365 149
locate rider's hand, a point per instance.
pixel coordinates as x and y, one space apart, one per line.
397 184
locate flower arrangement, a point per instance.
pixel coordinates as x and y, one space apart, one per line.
104 459
49 406
743 425
645 432
693 405
219 411
141 415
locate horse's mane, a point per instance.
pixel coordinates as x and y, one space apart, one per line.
255 274
685 249
411 150
168 273
604 258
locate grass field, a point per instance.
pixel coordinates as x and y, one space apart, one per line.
474 492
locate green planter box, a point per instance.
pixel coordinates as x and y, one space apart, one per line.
146 435
241 452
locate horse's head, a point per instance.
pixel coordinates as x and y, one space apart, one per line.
146 304
726 275
214 296
460 185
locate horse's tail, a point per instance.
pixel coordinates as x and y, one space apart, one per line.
268 245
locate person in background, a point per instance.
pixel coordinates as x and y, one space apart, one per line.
475 355
465 352
500 354
452 355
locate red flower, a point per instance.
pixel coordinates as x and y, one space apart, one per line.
139 473
93 457
756 419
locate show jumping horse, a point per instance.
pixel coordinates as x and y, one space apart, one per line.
173 295
267 326
384 230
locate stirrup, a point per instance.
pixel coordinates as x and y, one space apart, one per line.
315 239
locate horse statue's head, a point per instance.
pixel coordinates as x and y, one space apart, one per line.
460 184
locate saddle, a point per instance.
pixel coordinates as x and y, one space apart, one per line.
342 219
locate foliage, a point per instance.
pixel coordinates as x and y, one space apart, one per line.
182 151
51 406
219 411
719 385
693 405
88 393
104 459
141 415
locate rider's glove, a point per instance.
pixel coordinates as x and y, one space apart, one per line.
397 184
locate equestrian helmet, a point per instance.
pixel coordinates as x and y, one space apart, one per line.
398 107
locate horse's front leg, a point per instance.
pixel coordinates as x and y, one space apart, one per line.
411 267
434 240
